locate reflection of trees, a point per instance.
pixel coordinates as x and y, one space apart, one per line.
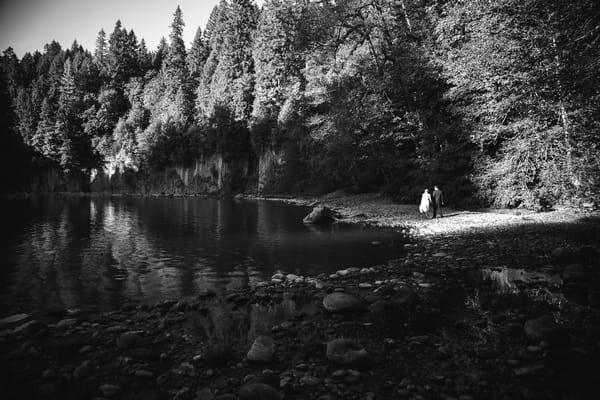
226 325
102 251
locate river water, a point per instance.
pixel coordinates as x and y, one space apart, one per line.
73 252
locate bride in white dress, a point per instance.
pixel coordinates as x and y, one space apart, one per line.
425 203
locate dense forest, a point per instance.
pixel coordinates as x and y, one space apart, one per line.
497 101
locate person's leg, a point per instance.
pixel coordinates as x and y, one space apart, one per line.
434 211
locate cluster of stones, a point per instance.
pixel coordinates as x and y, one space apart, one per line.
149 345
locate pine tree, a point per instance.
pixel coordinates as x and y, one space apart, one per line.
175 61
232 83
160 54
197 57
101 51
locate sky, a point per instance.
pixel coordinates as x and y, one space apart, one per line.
27 25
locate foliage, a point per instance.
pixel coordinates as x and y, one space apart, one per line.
497 101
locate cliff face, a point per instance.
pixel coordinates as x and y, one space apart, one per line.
273 171
277 170
209 175
54 180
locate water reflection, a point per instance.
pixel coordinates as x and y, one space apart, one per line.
76 251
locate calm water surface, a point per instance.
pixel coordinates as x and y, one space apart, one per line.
80 251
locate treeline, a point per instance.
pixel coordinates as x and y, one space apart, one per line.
497 101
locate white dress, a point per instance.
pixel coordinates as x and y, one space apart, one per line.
425 203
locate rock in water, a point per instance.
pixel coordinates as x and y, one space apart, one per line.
259 391
320 215
341 302
543 328
346 352
262 349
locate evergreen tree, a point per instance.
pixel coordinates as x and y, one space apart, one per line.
175 61
101 50
232 83
197 57
160 54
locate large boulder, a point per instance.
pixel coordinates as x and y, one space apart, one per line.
262 349
320 215
346 352
342 302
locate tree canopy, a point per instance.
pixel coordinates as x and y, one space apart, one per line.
495 100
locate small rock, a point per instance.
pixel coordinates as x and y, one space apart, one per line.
310 380
346 352
262 349
109 390
543 328
267 377
141 373
338 373
83 370
128 340
13 319
574 273
48 374
259 391
528 369
341 302
65 323
364 285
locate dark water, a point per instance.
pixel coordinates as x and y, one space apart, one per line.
77 251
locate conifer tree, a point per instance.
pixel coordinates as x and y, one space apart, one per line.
197 57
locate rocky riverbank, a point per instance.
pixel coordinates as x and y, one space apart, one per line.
504 309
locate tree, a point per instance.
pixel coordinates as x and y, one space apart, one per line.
197 57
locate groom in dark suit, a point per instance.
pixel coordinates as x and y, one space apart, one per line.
438 201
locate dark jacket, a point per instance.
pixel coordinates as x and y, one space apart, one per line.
438 197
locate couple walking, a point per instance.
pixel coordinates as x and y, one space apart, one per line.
436 201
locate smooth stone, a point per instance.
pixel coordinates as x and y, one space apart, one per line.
310 380
542 328
13 319
574 273
204 394
364 285
109 390
262 349
340 302
267 377
259 391
83 370
320 215
66 323
561 255
128 340
404 296
346 352
141 373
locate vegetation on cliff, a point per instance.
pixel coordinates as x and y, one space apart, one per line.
497 100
